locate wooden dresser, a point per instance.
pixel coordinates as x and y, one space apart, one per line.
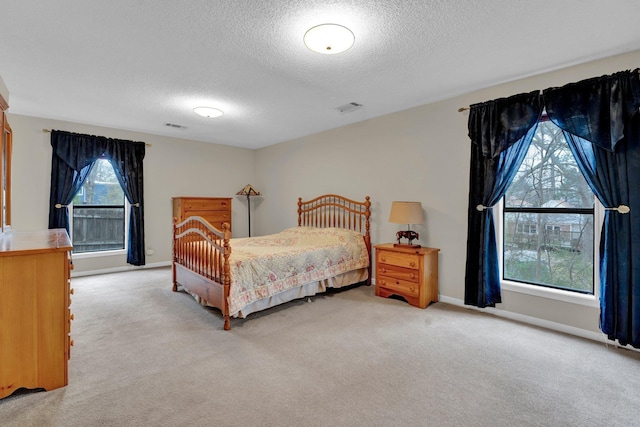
411 273
35 319
216 210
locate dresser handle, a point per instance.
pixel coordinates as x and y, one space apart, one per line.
412 275
383 270
72 317
383 282
383 259
71 343
412 288
412 264
71 291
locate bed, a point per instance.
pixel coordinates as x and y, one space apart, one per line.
330 248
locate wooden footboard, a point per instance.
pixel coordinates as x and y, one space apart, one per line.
201 262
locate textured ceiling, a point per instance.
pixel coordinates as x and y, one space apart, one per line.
139 64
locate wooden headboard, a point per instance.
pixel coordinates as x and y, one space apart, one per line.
331 210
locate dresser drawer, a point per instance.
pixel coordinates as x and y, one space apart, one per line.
399 259
204 205
396 272
403 286
215 217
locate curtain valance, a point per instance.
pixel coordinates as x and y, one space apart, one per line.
497 125
596 109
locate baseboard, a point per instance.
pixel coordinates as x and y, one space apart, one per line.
535 321
120 269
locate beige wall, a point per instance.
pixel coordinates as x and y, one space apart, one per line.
172 167
4 92
419 154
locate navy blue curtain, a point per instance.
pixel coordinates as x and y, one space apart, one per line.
601 123
72 159
126 159
501 132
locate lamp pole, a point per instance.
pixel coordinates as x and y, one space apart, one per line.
249 207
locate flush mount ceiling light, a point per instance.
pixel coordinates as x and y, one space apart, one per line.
208 112
329 39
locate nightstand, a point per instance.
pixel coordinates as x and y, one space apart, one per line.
411 273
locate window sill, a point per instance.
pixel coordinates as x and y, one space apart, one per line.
555 294
100 254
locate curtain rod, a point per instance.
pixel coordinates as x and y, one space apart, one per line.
49 131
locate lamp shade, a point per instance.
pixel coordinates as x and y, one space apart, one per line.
406 213
248 190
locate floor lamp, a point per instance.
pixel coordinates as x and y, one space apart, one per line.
248 191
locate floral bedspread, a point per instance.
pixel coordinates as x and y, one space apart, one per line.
264 266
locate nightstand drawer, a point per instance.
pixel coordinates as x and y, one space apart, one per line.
399 285
399 272
399 259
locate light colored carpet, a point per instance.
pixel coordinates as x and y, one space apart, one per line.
145 356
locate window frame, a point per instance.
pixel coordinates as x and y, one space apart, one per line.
110 252
591 300
575 297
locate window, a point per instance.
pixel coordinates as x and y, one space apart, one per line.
98 212
548 218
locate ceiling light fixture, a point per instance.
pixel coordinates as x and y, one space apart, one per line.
208 112
329 39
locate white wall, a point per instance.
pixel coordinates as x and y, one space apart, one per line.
420 154
172 167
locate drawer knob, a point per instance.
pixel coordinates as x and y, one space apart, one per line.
384 270
72 316
383 259
413 275
412 264
71 291
383 282
412 288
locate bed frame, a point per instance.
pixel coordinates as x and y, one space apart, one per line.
205 271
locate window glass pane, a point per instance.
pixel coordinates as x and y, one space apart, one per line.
101 187
548 218
549 176
98 212
560 255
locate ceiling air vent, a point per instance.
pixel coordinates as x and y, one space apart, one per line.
350 107
173 125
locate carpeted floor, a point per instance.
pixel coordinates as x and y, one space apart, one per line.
145 356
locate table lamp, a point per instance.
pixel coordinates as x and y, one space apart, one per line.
406 213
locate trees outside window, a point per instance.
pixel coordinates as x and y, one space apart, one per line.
548 217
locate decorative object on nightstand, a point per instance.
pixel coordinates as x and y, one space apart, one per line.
411 273
406 213
248 191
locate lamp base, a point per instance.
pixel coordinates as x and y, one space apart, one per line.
406 246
